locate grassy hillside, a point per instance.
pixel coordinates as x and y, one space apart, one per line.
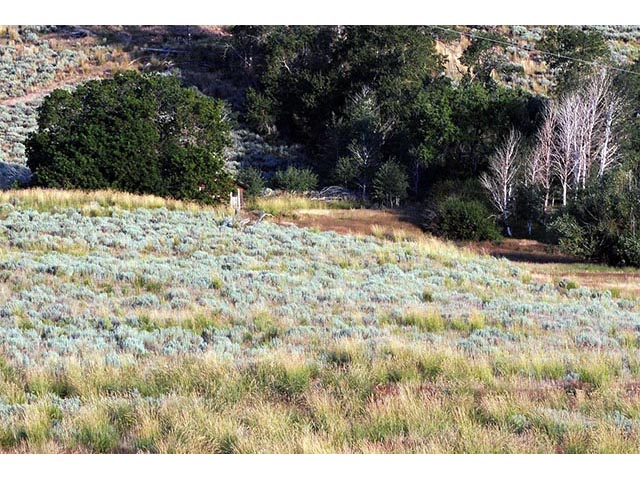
161 329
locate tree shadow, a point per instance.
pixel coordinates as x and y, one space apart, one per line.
523 250
526 257
12 174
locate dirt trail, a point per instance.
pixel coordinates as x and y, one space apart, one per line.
38 94
29 97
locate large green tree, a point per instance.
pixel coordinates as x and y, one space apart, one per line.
602 222
572 53
450 130
359 96
136 133
629 83
303 77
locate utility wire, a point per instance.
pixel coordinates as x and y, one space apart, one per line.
534 50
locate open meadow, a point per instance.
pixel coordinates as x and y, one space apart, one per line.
274 290
136 324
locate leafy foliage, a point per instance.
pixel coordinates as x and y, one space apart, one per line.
484 57
335 89
572 50
295 179
390 184
136 133
601 224
253 179
466 220
360 133
360 96
630 83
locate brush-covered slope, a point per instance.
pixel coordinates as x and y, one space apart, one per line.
161 329
36 59
519 52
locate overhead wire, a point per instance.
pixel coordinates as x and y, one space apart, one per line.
534 50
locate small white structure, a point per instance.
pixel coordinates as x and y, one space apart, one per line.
237 200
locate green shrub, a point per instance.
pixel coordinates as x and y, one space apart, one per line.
295 179
253 180
98 436
216 283
427 320
383 428
390 184
285 381
466 220
571 237
600 224
136 133
627 250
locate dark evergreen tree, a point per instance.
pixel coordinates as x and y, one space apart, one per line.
571 54
390 184
136 133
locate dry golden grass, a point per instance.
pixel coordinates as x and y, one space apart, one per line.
416 398
12 32
291 205
621 282
50 199
540 263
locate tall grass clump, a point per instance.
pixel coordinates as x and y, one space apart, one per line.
428 320
288 204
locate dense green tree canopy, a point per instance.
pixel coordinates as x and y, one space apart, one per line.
571 52
375 111
602 222
136 133
359 96
629 84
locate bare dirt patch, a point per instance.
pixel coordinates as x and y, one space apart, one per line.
545 262
356 221
522 250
